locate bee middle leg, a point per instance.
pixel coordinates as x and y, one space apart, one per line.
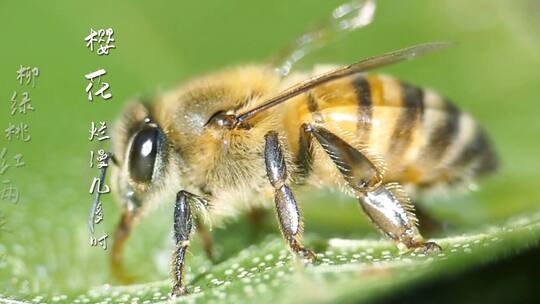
387 205
256 217
288 213
206 238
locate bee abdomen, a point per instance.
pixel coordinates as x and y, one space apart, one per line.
457 148
475 155
423 137
436 141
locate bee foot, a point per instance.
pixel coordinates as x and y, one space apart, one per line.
120 276
427 248
178 291
307 255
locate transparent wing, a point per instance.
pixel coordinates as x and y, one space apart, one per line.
359 67
344 19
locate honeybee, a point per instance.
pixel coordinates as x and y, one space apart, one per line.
224 142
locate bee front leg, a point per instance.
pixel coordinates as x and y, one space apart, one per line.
183 226
121 235
387 205
288 213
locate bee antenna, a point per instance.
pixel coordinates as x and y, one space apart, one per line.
97 194
361 66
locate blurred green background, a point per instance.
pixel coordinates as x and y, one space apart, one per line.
492 71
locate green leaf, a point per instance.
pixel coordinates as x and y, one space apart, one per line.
347 270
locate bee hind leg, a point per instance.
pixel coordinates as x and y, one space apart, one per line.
391 210
386 205
430 225
288 213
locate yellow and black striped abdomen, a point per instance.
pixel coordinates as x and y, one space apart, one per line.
423 138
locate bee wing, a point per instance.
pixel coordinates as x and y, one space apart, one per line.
359 67
346 18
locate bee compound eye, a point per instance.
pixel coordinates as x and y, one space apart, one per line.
143 153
